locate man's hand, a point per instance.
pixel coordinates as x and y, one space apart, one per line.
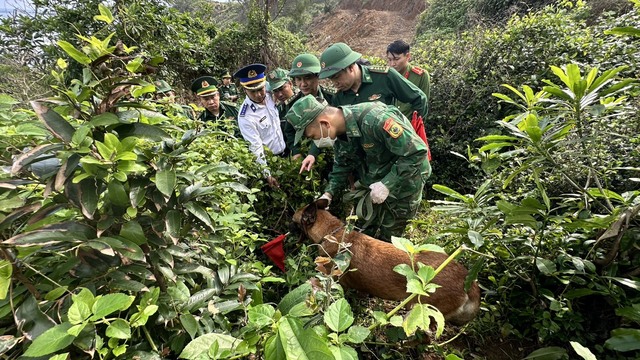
272 182
307 163
296 156
379 192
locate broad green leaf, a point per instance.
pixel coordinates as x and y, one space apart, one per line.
548 353
294 297
34 155
273 349
110 303
546 267
199 347
173 223
105 119
190 324
117 193
584 352
396 320
624 30
132 230
199 212
339 316
142 130
630 312
105 14
634 284
475 238
76 54
79 311
358 334
56 293
403 244
300 343
261 315
50 341
420 318
6 270
624 339
344 352
166 182
414 286
119 329
88 197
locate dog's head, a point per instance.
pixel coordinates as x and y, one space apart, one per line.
306 217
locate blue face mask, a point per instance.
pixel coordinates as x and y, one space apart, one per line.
324 142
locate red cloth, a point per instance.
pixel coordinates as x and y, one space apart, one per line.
275 251
418 126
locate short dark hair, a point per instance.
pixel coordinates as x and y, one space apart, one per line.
398 47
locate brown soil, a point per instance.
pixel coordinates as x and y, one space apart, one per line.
367 26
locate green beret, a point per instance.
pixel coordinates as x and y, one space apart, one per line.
277 78
302 113
337 57
162 86
204 86
305 64
226 75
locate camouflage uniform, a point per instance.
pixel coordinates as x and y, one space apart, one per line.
324 97
379 145
420 78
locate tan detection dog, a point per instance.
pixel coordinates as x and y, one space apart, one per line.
373 260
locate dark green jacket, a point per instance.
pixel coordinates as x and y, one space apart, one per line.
227 111
288 131
381 83
227 90
380 145
420 78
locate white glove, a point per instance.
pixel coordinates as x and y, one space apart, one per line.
379 192
326 196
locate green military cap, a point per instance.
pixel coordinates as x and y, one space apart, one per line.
204 86
302 113
305 64
335 58
277 78
226 75
162 86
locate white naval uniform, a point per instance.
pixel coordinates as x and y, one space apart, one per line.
260 126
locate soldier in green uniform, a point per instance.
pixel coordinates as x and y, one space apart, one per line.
398 57
228 90
304 71
166 97
205 88
378 143
356 84
282 90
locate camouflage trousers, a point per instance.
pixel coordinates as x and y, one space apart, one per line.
391 217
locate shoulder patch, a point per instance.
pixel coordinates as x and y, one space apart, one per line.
417 70
392 128
244 109
379 69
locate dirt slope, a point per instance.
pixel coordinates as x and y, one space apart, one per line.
367 26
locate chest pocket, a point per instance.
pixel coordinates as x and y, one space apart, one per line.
263 123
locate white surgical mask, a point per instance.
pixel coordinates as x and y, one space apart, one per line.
324 142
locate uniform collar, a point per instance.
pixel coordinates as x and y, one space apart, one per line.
352 129
405 73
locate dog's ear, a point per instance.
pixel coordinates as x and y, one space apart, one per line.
309 215
322 204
